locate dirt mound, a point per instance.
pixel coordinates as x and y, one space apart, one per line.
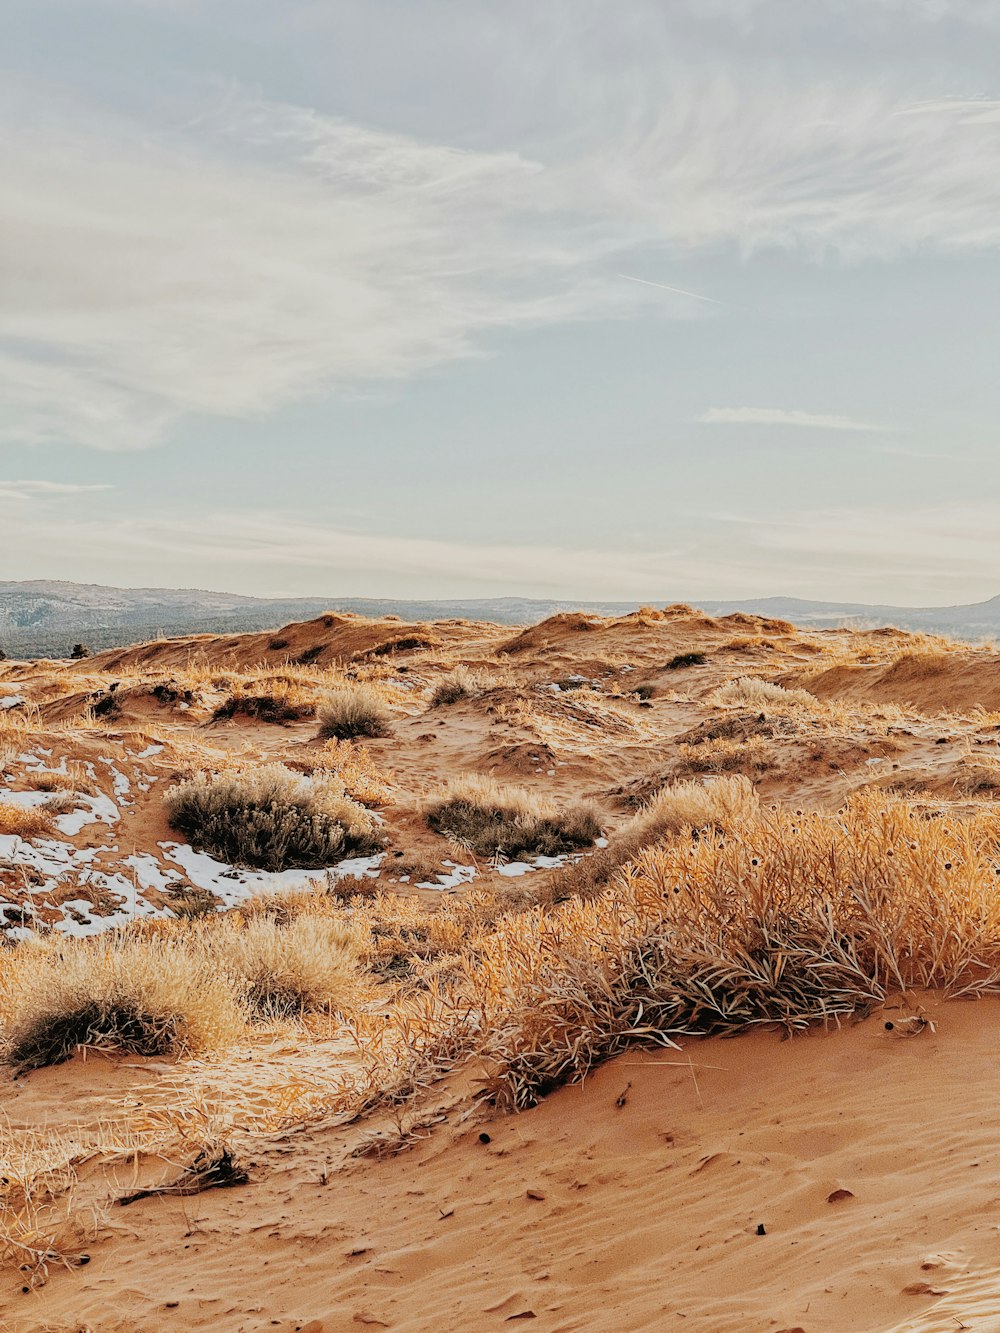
932 682
328 640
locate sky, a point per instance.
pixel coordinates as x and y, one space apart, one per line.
662 300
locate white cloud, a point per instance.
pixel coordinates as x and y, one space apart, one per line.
780 416
28 490
262 252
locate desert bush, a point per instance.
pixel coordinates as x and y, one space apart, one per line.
146 995
752 692
279 706
458 684
24 822
795 919
489 817
355 711
80 650
686 660
272 819
281 968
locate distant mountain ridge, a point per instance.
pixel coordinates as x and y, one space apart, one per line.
44 617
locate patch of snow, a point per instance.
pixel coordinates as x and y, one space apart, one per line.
148 753
234 885
12 701
99 809
457 876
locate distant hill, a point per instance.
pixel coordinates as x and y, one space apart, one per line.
44 618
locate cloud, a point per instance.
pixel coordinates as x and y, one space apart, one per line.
28 490
922 556
247 252
779 416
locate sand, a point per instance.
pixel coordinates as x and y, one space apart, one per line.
869 1157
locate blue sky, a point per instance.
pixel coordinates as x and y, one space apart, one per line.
340 298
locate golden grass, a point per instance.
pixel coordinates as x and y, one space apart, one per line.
752 692
148 995
354 766
492 818
23 822
352 712
308 963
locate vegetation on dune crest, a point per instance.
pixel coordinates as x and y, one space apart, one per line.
354 711
272 819
489 817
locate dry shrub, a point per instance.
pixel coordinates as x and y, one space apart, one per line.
356 710
488 817
457 685
725 756
278 706
354 766
797 919
24 822
683 660
272 819
148 995
281 968
762 695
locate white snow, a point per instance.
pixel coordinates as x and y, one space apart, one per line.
12 701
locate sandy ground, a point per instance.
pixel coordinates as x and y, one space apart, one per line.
869 1157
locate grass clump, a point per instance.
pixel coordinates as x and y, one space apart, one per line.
752 692
489 818
353 711
792 920
457 685
145 995
24 821
686 660
272 819
282 968
684 807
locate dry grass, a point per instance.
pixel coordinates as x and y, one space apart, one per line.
352 712
24 822
762 695
797 919
146 995
491 818
461 683
282 968
354 766
272 819
726 755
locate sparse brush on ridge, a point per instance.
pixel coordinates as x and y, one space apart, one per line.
489 817
272 819
308 963
752 692
683 807
148 996
356 710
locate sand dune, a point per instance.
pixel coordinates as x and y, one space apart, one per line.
631 1200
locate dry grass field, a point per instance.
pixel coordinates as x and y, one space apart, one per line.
603 974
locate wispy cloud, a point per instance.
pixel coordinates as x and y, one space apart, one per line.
678 291
32 490
250 253
780 416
